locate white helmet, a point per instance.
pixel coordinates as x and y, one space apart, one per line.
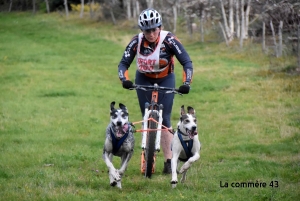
149 19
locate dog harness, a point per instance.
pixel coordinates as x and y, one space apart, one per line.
118 143
187 146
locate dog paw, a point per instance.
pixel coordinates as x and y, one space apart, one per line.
114 183
174 182
174 185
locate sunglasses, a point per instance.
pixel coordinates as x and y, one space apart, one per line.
148 31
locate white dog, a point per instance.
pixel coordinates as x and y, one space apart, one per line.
185 145
119 142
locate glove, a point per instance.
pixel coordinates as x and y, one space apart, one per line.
184 89
127 84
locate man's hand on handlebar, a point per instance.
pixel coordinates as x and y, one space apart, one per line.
127 84
184 89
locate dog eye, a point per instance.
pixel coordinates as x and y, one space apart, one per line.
124 116
187 121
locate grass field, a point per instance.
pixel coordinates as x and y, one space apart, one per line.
58 77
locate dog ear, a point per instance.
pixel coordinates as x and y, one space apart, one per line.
123 107
182 111
191 110
112 105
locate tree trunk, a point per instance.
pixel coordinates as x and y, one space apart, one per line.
264 37
66 8
280 39
237 18
112 16
189 25
138 8
149 3
201 28
274 39
247 19
128 6
224 34
47 6
227 30
82 9
242 25
175 17
231 22
33 7
134 13
91 5
298 46
10 5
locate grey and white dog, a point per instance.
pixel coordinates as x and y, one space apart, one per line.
119 142
185 144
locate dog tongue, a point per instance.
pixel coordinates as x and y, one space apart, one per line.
119 133
125 128
192 134
122 130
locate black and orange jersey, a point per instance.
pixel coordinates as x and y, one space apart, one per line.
171 46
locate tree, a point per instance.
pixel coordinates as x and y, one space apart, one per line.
128 6
237 19
280 39
10 5
66 8
174 9
82 9
239 27
34 8
246 27
242 33
91 4
149 3
298 46
231 22
136 8
47 6
228 29
225 23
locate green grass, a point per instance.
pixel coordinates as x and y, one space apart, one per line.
58 77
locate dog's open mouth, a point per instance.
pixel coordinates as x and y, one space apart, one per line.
121 130
191 133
